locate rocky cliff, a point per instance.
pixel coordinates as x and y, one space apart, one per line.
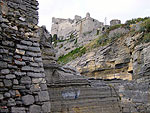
119 53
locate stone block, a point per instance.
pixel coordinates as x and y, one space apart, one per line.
35 109
3 64
29 43
15 81
27 68
10 76
5 71
20 73
18 110
1 97
28 100
31 54
7 83
38 59
46 107
22 47
25 80
7 95
1 84
11 102
22 52
21 63
34 64
43 96
3 51
12 66
35 88
38 80
27 58
35 49
36 75
43 87
36 44
8 43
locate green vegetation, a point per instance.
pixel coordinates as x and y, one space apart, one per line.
97 32
114 27
78 52
145 26
61 46
55 38
76 41
134 21
146 38
71 36
104 39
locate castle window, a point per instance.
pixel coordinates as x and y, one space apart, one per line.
93 20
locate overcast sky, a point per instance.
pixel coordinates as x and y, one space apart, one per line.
99 9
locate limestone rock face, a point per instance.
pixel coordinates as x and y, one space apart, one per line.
121 59
107 62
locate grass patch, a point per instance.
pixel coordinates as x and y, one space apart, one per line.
78 52
114 27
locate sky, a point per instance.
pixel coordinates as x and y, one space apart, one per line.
98 9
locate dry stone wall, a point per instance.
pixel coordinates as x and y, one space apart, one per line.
23 86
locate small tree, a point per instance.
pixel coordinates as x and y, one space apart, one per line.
55 38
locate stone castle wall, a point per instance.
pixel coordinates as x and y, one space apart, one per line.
23 86
65 27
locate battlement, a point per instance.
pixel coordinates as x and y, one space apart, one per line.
62 27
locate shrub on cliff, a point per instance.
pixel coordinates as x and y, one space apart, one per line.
78 52
146 25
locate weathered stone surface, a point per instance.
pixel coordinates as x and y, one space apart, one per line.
18 110
3 64
28 100
20 73
1 96
5 71
19 47
36 75
43 96
35 109
7 95
35 88
7 83
10 76
31 54
11 102
27 58
34 49
20 63
25 80
27 68
43 87
22 52
29 43
38 80
46 107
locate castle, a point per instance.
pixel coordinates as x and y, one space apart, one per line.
78 26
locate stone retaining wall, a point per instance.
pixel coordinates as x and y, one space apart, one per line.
23 86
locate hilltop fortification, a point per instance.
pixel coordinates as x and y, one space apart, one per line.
77 26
